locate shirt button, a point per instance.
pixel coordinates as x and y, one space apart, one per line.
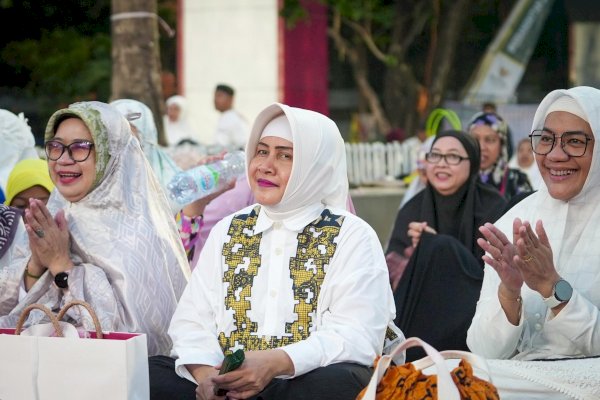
273 293
278 251
538 327
538 315
277 225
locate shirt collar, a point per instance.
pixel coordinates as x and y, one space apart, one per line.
295 223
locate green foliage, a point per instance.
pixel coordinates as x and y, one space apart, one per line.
63 63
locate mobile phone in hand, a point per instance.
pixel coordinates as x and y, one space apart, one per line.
231 362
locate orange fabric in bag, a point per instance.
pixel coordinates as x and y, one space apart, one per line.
405 382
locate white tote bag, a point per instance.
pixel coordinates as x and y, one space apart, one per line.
104 366
446 387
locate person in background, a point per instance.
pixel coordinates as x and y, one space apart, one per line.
296 281
28 179
142 124
540 298
18 143
232 128
106 237
433 259
492 133
11 230
176 122
195 220
524 160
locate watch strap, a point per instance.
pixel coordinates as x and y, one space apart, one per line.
552 301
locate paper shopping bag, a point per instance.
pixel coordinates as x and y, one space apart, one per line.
48 368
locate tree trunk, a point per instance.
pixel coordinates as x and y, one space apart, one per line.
450 34
136 56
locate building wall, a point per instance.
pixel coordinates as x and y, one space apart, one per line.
228 41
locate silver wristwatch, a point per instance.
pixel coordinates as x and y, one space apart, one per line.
561 293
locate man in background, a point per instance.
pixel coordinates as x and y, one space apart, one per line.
232 128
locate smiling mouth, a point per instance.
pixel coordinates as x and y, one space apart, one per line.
566 172
265 183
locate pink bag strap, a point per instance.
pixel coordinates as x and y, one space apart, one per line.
89 309
447 390
43 308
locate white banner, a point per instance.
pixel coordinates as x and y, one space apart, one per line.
503 65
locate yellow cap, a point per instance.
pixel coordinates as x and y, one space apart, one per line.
27 174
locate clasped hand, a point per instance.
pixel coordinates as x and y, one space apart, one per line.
48 239
416 229
528 259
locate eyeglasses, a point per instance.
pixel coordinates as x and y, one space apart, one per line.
451 159
574 144
132 116
78 151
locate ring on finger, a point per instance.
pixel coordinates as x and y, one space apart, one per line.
528 258
39 232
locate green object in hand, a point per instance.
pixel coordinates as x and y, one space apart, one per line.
231 362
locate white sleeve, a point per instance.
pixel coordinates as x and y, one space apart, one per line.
491 335
193 328
578 324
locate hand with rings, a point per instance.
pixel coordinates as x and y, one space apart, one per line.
48 236
535 257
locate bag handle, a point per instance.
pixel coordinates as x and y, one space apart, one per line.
446 389
89 309
46 310
475 361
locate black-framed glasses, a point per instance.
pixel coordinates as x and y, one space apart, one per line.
573 143
78 151
451 159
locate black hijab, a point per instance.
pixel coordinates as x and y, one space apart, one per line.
459 214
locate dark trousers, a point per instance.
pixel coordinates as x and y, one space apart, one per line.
341 381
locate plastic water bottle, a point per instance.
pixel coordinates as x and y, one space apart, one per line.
198 182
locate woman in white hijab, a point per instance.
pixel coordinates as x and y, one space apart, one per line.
107 235
296 281
540 297
18 143
176 122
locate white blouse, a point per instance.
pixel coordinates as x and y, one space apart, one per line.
347 324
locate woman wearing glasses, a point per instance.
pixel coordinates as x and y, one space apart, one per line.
433 253
107 235
540 297
492 133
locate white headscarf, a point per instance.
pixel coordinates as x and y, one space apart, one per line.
319 168
573 226
16 143
180 129
122 232
162 164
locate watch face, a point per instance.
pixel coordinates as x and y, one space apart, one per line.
62 280
563 290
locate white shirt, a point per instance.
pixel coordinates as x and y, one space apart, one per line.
355 303
232 130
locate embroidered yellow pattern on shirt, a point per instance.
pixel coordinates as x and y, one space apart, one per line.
315 249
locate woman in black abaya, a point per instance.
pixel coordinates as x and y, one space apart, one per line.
435 263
